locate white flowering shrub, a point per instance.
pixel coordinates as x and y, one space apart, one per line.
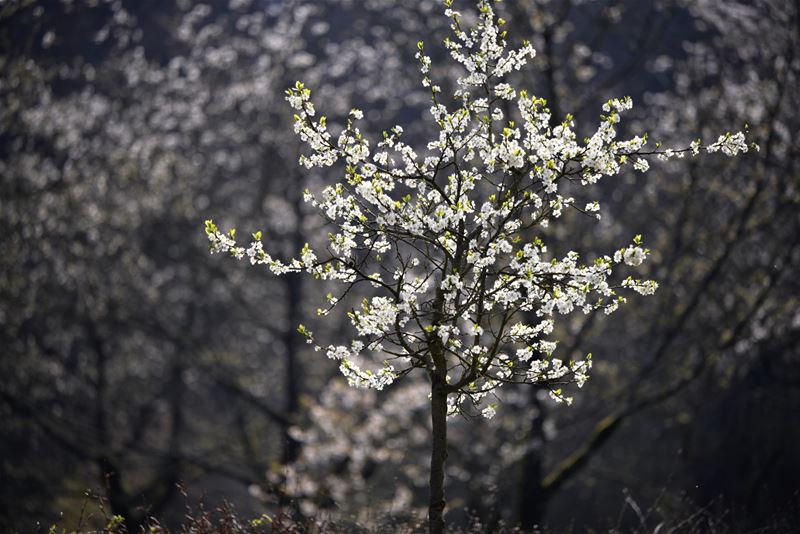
447 238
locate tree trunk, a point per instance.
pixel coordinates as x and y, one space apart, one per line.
294 296
532 497
438 454
291 447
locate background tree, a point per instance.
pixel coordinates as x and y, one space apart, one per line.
139 130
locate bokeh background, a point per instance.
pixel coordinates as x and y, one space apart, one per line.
136 367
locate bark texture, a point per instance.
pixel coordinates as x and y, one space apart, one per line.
438 454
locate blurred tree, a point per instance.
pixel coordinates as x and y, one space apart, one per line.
121 122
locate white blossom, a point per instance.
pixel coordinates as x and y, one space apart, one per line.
462 288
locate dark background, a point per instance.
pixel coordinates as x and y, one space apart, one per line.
138 368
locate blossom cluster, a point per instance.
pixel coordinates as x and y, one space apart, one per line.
449 237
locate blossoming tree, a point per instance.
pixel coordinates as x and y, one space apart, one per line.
447 237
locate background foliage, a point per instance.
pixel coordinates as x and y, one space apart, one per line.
132 361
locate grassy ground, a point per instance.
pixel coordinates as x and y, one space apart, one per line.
223 519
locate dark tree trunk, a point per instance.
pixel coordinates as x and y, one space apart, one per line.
108 471
438 454
532 497
294 296
291 447
292 340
